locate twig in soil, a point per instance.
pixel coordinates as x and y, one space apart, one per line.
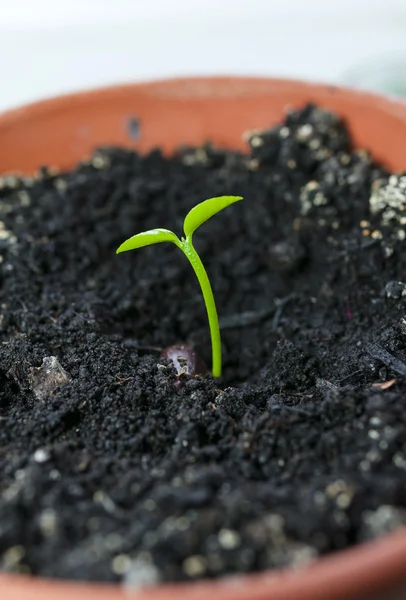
253 317
245 319
300 410
122 380
387 358
280 305
350 375
86 319
324 385
24 307
358 248
149 348
384 385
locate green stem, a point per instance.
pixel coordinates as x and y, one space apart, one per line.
203 279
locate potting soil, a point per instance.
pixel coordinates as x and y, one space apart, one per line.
115 468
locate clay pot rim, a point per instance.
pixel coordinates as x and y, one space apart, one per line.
257 86
366 567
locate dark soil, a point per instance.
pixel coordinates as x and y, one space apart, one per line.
112 467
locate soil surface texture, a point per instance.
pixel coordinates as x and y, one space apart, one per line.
113 467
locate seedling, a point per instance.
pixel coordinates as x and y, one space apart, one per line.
198 215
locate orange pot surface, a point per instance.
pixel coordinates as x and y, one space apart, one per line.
62 131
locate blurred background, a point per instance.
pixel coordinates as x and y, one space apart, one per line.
49 47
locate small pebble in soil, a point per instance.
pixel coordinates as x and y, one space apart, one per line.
195 566
388 208
229 539
46 378
141 574
395 289
286 254
41 455
382 520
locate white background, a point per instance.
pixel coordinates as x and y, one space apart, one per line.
53 46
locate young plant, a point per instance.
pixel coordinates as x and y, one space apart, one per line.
198 215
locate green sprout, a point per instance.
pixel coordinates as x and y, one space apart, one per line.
198 215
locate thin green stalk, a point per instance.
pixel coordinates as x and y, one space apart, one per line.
201 274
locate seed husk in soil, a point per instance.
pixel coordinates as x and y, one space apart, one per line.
116 467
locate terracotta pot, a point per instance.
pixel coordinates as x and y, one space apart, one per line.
62 131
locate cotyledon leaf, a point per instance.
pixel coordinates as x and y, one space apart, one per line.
206 209
153 236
